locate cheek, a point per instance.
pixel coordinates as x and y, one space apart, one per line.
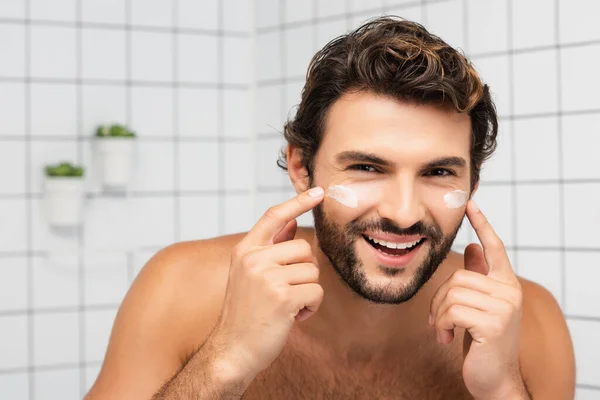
447 207
353 199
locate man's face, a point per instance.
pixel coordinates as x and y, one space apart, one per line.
399 160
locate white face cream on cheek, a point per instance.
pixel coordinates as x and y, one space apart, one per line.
455 199
343 195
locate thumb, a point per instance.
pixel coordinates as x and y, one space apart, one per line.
287 233
475 260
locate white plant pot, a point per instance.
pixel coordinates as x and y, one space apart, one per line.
115 161
64 201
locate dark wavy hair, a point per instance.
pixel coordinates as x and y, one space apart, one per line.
397 58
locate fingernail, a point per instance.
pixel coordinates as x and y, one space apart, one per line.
430 319
316 192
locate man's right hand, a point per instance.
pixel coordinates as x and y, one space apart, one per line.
273 281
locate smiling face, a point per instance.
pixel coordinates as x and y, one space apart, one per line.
399 161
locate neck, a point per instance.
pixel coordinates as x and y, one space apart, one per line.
351 327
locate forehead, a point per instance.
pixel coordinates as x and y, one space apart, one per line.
366 121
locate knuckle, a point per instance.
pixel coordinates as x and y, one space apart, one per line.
454 293
272 213
454 310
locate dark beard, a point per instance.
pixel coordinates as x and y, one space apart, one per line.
339 247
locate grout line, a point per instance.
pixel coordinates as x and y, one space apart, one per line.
58 310
561 185
220 120
43 368
176 133
283 70
90 138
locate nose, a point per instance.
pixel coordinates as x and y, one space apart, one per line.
402 203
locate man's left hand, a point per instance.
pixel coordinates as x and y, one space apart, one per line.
485 299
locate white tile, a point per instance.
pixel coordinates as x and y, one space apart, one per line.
98 325
197 112
269 56
499 166
151 56
237 59
238 159
12 108
103 11
197 58
329 30
238 213
267 13
141 257
267 153
446 19
12 9
265 200
106 280
55 281
581 283
152 111
523 13
269 109
540 134
103 54
406 11
46 238
53 109
13 345
63 383
578 20
538 215
57 10
110 223
295 10
580 143
199 217
12 220
293 92
532 74
103 104
486 26
494 72
579 70
154 165
464 235
198 164
582 215
91 373
542 267
198 14
153 221
585 335
237 114
12 43
587 394
496 204
14 386
53 52
388 3
46 153
365 5
298 50
13 283
56 338
12 167
332 7
237 15
151 12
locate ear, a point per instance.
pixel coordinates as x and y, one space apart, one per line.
298 173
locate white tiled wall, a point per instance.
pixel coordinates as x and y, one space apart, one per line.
179 73
541 191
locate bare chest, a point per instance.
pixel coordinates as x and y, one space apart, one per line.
424 374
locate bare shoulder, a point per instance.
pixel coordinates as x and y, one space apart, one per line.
168 312
546 351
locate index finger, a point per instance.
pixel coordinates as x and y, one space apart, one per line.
277 217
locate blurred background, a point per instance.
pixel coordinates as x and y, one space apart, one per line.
206 86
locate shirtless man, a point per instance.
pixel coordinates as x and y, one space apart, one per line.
392 130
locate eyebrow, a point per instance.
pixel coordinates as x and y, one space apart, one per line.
359 156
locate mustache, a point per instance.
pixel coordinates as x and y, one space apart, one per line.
420 228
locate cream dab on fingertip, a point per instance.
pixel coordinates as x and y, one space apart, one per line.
343 195
455 199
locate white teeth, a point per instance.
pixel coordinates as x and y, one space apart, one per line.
393 245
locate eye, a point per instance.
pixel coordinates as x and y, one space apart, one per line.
363 168
441 172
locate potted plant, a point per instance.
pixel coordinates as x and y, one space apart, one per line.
64 193
114 147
